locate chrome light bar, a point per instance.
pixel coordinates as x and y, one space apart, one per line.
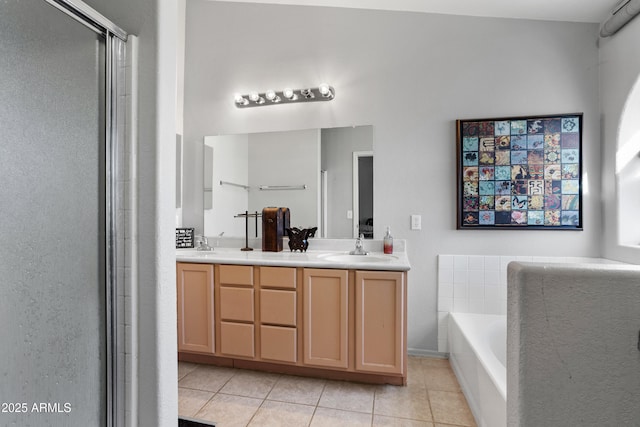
324 92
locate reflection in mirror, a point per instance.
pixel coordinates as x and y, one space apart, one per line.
309 171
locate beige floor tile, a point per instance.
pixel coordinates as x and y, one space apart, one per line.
450 408
282 414
305 391
229 411
348 396
432 398
442 379
415 371
208 378
250 384
184 368
191 401
382 421
410 402
327 417
435 362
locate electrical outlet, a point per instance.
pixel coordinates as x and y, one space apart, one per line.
416 222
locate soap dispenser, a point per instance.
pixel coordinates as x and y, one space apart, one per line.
388 242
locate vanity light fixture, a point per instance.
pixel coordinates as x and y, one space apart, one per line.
324 92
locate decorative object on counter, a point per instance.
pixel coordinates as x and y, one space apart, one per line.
324 92
274 223
299 238
246 215
520 173
388 242
202 244
184 238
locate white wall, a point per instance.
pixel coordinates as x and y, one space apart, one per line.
410 75
619 72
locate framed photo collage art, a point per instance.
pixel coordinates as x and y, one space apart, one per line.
520 172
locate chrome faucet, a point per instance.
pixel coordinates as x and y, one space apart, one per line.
359 250
202 244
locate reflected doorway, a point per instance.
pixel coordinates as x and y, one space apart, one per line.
363 194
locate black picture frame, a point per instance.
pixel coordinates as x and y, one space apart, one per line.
520 172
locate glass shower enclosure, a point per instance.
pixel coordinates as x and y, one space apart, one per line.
59 142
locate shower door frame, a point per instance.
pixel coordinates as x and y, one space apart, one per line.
115 45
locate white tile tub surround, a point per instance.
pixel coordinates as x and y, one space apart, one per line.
478 284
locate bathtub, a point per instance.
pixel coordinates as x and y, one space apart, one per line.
477 351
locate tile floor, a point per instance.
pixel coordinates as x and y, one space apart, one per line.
234 397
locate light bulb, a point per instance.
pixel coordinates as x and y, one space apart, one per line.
288 93
325 90
272 96
254 96
307 93
240 100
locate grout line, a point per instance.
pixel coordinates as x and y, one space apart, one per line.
206 403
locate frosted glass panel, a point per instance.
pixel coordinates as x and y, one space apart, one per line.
52 258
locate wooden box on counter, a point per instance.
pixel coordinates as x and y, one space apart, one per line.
274 223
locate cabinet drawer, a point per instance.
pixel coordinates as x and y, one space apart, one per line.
278 277
236 339
278 307
236 304
278 343
236 275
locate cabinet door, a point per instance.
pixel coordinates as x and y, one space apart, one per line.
195 307
380 325
325 317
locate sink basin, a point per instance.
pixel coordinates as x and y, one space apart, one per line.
350 259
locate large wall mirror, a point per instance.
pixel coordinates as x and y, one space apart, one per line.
324 177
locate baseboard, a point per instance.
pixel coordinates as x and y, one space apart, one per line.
427 353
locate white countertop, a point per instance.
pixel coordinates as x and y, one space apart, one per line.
312 258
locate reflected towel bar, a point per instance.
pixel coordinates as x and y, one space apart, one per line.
246 187
283 187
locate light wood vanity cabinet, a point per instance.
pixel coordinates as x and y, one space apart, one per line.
195 307
348 324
